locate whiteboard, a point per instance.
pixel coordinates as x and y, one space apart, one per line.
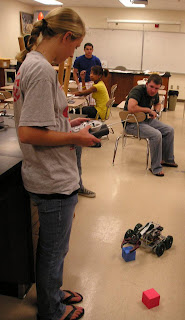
116 47
164 51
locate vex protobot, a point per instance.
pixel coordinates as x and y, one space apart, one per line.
148 235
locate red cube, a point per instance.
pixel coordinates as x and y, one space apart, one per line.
150 298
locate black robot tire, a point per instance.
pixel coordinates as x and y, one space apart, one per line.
168 242
137 227
128 234
160 249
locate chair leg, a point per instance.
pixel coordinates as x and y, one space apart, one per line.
115 149
111 129
124 139
147 153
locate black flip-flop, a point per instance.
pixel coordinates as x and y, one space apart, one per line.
159 174
169 164
68 301
69 316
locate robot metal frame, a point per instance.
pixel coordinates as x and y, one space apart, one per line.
148 235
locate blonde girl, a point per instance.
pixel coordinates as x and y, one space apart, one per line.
49 168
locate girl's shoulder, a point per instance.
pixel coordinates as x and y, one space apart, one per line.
100 84
37 67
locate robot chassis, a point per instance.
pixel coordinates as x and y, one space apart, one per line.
148 235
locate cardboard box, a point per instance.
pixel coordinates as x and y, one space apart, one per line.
4 63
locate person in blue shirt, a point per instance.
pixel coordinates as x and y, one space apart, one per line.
84 63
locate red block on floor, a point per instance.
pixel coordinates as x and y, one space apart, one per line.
150 298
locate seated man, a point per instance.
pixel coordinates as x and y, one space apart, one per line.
161 136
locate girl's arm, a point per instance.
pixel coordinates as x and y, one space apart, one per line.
85 92
82 75
44 137
78 121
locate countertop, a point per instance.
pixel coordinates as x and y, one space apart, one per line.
10 153
135 72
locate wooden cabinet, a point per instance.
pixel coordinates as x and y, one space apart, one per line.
18 227
7 76
2 77
16 248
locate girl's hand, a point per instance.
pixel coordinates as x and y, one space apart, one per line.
77 93
85 139
82 74
78 121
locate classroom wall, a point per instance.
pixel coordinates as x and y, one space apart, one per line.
10 26
97 18
93 18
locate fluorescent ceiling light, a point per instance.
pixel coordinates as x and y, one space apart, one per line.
50 2
128 3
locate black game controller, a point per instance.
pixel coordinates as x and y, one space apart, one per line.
103 131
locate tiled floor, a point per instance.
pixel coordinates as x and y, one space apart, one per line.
126 194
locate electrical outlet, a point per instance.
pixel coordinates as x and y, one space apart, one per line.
171 86
177 87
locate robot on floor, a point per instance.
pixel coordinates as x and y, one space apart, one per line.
150 236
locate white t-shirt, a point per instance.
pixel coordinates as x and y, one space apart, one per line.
39 101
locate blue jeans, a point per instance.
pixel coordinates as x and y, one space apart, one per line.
55 216
161 138
79 165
